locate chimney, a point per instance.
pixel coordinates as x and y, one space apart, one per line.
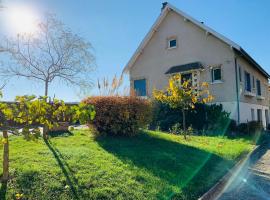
164 4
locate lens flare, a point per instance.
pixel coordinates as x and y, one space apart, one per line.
21 19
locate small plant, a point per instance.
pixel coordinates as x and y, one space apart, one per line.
176 129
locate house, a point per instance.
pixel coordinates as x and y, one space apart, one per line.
178 43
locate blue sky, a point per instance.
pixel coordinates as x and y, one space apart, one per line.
115 29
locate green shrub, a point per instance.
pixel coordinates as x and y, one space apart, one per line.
208 118
242 128
255 127
252 127
117 115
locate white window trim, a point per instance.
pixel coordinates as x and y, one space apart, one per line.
212 75
168 43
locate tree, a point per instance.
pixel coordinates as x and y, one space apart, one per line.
53 52
182 95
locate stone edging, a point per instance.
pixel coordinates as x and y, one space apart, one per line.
214 192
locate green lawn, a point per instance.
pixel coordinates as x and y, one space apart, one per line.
152 165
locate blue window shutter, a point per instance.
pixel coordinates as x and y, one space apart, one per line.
140 87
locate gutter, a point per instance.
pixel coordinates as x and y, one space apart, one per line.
237 90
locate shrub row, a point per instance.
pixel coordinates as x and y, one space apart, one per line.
203 117
117 115
252 127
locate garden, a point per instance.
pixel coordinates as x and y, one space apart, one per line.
131 148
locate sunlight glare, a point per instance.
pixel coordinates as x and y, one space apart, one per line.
22 19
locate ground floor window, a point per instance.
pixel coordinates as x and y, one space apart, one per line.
266 118
252 114
186 77
216 74
140 87
259 114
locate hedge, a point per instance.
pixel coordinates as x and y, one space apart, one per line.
117 115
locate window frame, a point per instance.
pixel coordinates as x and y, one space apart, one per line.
259 115
169 43
213 74
252 114
146 90
246 82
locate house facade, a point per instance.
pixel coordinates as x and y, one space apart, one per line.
177 43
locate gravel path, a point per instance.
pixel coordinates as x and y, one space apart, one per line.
253 183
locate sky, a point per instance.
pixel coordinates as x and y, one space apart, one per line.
116 27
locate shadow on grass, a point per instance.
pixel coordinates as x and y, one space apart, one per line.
3 191
193 170
60 134
67 171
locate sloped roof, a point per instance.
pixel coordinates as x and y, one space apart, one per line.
166 9
185 67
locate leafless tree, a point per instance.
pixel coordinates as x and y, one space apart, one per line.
53 52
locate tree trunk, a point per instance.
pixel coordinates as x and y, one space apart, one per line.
5 158
46 87
45 132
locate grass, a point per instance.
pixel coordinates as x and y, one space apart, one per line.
152 165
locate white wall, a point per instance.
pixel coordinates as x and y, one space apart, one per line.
245 111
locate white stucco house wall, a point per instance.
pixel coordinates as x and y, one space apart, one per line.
178 43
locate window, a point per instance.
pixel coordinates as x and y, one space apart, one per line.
252 114
258 83
266 118
140 87
259 114
216 74
247 82
172 43
186 77
253 82
240 73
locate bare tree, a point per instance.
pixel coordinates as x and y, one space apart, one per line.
53 52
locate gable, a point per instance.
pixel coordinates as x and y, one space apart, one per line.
208 31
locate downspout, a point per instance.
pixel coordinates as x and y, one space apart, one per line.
237 90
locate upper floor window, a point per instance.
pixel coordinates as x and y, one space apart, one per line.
258 84
140 87
240 73
247 82
253 82
172 43
216 74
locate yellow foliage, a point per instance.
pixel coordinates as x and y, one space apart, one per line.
180 94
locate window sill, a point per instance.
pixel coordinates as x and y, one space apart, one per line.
171 48
260 98
250 94
217 82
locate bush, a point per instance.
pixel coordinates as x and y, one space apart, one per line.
203 117
117 115
252 127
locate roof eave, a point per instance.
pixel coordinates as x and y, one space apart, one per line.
249 59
